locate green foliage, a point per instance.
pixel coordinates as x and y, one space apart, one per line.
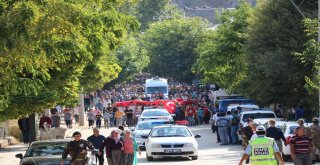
171 44
274 73
311 53
149 11
222 56
132 58
50 50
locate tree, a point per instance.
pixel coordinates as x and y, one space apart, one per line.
221 57
171 44
149 11
50 50
275 75
310 56
132 58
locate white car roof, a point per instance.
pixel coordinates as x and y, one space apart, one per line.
170 125
257 111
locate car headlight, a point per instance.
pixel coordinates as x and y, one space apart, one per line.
189 145
155 145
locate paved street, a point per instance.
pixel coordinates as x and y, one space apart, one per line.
209 151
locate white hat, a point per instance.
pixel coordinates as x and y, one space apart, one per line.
260 128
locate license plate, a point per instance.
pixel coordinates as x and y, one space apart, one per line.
172 150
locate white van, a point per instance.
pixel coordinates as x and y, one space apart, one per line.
157 85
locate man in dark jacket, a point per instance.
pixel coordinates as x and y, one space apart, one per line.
97 140
78 150
23 126
276 134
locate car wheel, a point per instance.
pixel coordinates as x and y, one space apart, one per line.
194 157
149 158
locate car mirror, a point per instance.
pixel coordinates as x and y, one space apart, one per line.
197 136
173 115
20 156
144 136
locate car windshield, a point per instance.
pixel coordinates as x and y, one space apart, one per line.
46 149
149 113
148 125
258 116
153 90
292 129
170 132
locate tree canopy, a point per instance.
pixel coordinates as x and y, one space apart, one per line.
170 45
51 50
221 56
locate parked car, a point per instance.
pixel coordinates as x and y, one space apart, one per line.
261 116
156 114
171 141
288 130
143 128
48 153
244 107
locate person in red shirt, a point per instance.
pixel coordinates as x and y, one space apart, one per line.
206 113
191 112
44 124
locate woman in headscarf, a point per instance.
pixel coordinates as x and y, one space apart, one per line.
114 148
130 148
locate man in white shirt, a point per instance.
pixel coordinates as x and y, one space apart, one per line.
253 126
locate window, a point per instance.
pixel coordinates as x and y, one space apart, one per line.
153 90
149 113
45 149
258 116
170 132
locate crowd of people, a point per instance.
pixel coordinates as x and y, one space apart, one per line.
120 148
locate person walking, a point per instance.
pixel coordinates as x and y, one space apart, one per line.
190 115
200 115
114 148
118 117
56 119
98 118
230 117
307 131
24 127
262 150
106 118
44 124
276 134
90 118
223 123
77 149
215 126
97 141
315 136
234 128
300 147
130 149
129 115
67 117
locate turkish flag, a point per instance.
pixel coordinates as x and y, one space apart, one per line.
170 105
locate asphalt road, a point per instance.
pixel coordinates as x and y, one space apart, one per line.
209 151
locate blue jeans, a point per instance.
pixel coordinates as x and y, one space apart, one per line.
98 123
223 132
200 119
191 120
234 135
